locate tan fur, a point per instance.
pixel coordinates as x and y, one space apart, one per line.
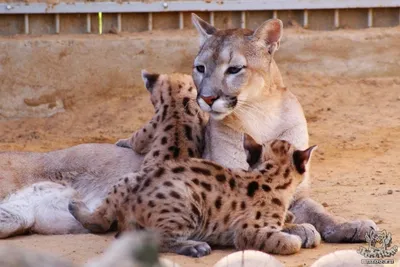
264 109
196 203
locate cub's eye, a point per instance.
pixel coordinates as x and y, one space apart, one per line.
234 70
200 68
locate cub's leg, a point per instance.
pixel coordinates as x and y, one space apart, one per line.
98 221
101 219
333 229
175 234
140 141
310 238
266 240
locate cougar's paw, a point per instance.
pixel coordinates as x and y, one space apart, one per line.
123 143
310 238
195 250
348 232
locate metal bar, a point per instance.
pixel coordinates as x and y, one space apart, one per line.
189 6
88 23
150 22
337 19
243 19
181 21
370 17
275 14
119 22
212 18
305 19
26 23
57 18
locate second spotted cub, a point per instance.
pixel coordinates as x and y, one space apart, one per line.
196 203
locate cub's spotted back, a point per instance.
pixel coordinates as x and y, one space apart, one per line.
176 130
196 203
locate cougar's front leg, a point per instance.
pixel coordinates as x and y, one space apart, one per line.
333 229
141 140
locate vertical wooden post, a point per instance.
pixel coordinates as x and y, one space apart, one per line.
370 17
88 23
150 22
26 23
243 19
305 19
57 18
337 19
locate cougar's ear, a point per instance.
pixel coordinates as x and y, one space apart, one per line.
205 29
270 32
149 79
301 158
253 150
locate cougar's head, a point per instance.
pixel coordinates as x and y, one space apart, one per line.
232 67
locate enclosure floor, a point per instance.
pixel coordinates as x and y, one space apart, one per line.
355 171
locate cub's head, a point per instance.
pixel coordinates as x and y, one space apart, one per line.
233 67
278 158
165 87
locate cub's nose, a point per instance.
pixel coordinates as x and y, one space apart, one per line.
209 99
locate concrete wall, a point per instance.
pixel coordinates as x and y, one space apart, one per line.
138 22
35 72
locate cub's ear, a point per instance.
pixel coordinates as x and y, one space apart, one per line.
149 80
270 32
205 29
253 150
301 158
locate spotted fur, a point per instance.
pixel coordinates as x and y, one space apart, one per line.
196 203
174 133
176 130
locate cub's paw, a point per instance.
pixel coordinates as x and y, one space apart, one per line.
195 250
123 143
81 213
310 238
348 232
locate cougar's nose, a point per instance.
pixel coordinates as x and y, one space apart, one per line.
209 99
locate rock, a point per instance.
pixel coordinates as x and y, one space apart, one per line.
248 258
325 204
390 191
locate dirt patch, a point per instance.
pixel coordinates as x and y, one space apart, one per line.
355 122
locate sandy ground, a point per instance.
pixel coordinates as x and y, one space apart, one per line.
356 170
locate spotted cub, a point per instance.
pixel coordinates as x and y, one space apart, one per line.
177 128
174 133
196 203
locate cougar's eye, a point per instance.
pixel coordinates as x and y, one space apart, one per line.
234 70
200 68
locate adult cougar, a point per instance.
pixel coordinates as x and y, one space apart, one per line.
241 87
